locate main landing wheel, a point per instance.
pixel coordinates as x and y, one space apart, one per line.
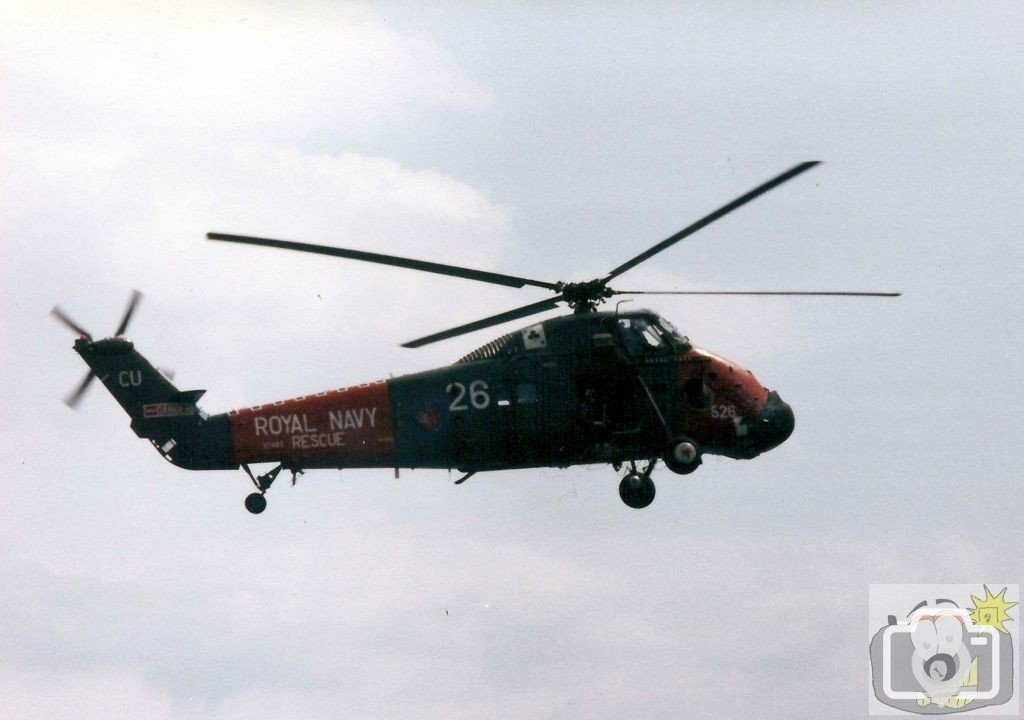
255 503
683 456
637 490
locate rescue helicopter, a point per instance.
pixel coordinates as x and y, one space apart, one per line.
619 388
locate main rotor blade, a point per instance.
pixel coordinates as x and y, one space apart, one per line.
708 219
439 268
128 312
522 312
62 316
72 400
755 292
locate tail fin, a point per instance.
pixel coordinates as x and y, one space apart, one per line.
164 415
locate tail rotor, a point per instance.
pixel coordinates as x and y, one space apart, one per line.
75 397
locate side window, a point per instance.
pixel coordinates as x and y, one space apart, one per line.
695 394
526 393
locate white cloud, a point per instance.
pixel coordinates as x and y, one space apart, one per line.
134 218
222 70
337 190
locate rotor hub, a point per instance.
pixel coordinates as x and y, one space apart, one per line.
585 296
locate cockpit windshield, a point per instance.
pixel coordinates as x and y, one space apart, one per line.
648 333
640 335
670 330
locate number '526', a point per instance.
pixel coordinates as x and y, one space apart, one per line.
476 394
723 411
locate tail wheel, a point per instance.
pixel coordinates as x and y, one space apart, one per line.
683 456
637 490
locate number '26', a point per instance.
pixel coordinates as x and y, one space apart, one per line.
476 394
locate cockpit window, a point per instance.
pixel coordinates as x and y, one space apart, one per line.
640 335
669 329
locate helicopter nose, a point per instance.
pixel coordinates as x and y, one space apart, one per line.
775 422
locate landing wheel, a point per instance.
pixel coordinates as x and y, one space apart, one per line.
256 503
683 456
637 490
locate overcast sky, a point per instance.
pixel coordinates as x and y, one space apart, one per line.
548 140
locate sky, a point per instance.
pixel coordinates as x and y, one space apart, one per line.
552 141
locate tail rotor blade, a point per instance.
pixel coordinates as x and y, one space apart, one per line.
72 400
62 316
129 311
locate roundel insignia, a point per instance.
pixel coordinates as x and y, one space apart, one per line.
428 418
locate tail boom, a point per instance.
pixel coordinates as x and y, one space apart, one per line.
169 418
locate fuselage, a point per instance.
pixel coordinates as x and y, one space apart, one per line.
583 388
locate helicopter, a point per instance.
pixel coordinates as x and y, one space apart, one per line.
619 388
